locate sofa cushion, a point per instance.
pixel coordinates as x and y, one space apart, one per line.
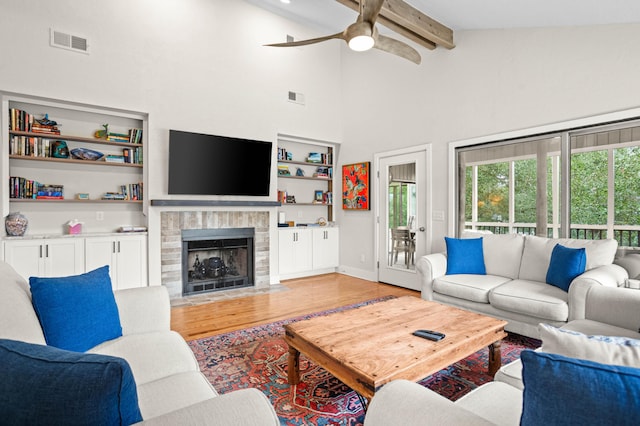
532 298
18 320
76 312
465 256
604 349
537 254
594 393
151 356
471 287
502 252
497 402
173 392
43 385
565 265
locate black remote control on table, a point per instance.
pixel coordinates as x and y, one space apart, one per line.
429 334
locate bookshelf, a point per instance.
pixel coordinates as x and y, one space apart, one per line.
113 183
310 183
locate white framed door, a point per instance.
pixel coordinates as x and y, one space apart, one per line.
403 213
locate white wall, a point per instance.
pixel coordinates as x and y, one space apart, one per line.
492 82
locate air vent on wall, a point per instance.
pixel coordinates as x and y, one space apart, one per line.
69 41
295 97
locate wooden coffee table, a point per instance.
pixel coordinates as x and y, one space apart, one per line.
370 346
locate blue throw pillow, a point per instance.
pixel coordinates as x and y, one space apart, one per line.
43 385
77 312
570 391
565 265
465 256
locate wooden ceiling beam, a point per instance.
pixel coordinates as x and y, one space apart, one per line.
409 22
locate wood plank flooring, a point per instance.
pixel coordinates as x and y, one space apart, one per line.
305 295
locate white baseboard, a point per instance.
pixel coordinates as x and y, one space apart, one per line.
358 273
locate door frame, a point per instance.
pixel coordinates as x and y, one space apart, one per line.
426 150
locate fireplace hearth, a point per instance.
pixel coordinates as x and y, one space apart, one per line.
217 259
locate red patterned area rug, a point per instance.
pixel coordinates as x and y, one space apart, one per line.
257 357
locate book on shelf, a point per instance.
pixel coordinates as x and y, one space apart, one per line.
284 155
135 136
20 187
110 158
283 170
133 191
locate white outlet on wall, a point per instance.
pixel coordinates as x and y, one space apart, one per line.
99 215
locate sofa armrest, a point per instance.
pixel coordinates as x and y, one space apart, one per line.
617 306
602 276
247 407
144 309
405 403
429 268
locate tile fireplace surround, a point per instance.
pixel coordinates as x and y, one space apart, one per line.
171 246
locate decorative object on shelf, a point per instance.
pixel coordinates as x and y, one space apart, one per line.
74 227
16 224
59 149
86 154
291 199
322 221
318 196
299 172
82 196
102 134
355 186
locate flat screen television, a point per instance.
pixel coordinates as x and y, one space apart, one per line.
201 164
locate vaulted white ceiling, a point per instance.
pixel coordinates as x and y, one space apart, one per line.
462 15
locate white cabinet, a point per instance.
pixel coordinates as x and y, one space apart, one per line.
307 251
325 248
49 257
294 250
125 255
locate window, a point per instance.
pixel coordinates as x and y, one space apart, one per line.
516 186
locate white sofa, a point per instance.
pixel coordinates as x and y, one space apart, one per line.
608 312
170 387
514 287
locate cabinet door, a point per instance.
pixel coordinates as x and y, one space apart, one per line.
26 257
100 251
126 257
294 250
63 257
325 248
131 269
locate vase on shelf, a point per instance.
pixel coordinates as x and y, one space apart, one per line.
15 224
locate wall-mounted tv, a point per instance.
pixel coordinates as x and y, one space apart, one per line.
202 164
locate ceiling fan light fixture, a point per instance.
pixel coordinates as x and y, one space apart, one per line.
361 43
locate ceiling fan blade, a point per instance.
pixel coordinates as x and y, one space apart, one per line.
398 48
371 10
309 41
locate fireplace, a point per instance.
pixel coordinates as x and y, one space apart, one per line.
173 223
217 259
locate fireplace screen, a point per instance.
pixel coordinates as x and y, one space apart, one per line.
217 259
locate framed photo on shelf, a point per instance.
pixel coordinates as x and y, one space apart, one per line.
356 186
318 196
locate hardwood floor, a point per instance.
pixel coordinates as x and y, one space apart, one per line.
305 295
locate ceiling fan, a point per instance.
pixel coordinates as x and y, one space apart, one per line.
363 35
